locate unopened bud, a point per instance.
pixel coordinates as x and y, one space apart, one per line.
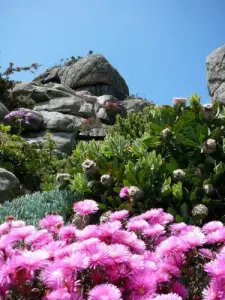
89 167
106 180
61 177
209 146
178 174
208 111
135 192
200 211
166 132
105 217
208 189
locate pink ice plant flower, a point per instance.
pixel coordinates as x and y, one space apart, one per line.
170 296
85 207
124 192
119 215
105 292
51 221
109 261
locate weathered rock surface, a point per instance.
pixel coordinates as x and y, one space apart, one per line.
132 105
9 185
97 133
215 64
41 93
3 112
65 142
69 105
78 101
92 73
55 121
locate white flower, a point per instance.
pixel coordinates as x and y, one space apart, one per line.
61 177
178 174
166 132
200 211
135 192
209 146
106 180
208 189
208 111
89 167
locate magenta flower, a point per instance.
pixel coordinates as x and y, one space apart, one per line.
118 254
124 192
51 221
85 207
137 225
212 226
170 296
59 294
179 289
140 285
67 233
30 260
119 215
105 292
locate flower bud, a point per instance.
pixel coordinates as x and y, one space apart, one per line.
105 217
198 172
200 212
106 180
179 101
61 177
178 174
208 111
166 132
135 192
80 221
208 189
89 167
209 146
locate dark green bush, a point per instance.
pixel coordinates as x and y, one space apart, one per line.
145 149
31 208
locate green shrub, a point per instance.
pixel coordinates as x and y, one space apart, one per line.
174 155
31 163
31 208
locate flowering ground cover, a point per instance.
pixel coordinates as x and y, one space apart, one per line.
144 257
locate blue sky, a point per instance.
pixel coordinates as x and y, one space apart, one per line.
158 46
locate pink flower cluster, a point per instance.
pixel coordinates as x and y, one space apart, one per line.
138 258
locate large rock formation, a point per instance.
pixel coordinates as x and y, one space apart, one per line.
215 64
93 74
76 102
9 185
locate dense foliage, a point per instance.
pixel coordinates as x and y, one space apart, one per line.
32 207
171 157
32 163
146 257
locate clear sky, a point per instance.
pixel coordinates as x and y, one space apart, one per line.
158 46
